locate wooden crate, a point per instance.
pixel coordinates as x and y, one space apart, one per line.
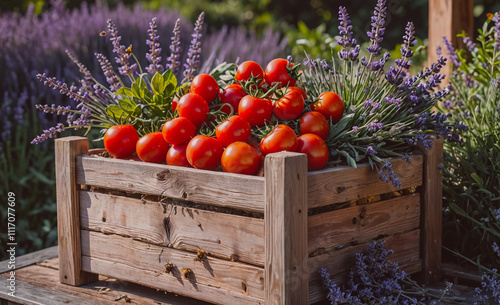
266 237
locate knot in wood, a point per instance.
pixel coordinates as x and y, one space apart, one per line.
163 175
340 189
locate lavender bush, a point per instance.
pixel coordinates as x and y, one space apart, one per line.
388 110
471 173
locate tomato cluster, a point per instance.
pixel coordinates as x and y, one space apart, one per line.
260 112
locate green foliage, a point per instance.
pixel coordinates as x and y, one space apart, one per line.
471 174
28 172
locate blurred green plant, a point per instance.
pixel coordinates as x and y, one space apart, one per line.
471 173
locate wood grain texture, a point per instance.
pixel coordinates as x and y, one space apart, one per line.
43 287
286 277
448 18
338 263
139 262
223 235
432 207
68 210
342 184
200 186
30 258
360 224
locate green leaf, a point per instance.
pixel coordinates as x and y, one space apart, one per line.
127 105
477 178
158 84
115 111
350 160
125 91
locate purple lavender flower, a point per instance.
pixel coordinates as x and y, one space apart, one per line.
123 56
452 54
496 19
470 44
154 49
393 101
174 60
58 85
59 110
377 32
48 133
345 38
325 65
355 128
193 57
109 73
374 126
406 157
370 150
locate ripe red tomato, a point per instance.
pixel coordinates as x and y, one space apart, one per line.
152 148
204 152
330 105
255 111
120 140
315 149
280 139
178 131
232 95
248 69
302 92
194 107
314 122
290 106
276 72
232 130
176 156
206 86
240 158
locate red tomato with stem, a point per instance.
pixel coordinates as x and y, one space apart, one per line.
255 111
152 148
206 86
120 140
314 122
330 105
290 106
248 69
204 152
232 130
194 107
277 72
178 131
315 149
176 155
240 158
282 138
232 95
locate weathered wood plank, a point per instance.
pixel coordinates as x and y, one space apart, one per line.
188 228
30 258
210 187
432 205
448 18
360 224
68 210
342 184
338 263
286 277
104 291
139 262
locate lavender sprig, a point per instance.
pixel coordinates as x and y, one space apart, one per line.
48 133
193 57
377 32
154 49
110 74
345 38
452 54
123 56
174 60
496 19
61 86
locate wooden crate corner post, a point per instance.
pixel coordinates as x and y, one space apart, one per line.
68 211
431 219
285 217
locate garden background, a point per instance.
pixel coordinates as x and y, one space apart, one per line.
35 36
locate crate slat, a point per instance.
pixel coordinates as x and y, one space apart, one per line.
338 263
139 262
362 223
200 186
189 228
342 184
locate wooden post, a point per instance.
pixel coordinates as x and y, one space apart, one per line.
285 217
432 209
68 211
448 18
